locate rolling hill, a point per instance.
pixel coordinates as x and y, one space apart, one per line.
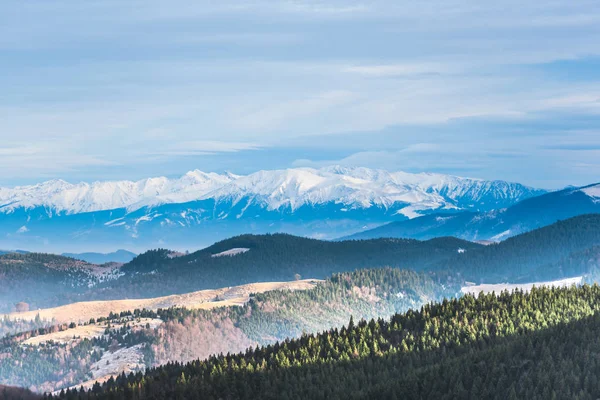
33 280
543 254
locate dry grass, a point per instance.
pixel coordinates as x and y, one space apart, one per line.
205 299
87 331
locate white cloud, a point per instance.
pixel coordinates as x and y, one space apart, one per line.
205 147
149 80
392 70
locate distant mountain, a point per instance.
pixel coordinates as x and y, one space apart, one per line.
199 207
119 256
495 225
13 251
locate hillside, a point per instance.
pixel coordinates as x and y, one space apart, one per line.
497 224
69 354
33 280
520 345
273 258
41 280
544 253
205 299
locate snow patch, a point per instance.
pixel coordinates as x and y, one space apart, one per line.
231 252
593 191
130 359
500 236
499 287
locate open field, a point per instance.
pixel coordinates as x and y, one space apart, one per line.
205 299
87 331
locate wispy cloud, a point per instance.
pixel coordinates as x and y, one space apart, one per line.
228 81
205 147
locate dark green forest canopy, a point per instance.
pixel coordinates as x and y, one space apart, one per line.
541 344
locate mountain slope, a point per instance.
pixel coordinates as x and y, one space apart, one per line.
181 335
322 203
161 272
544 253
524 216
520 345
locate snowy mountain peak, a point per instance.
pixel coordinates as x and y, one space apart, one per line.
354 187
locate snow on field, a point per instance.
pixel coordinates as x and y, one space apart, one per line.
130 359
500 236
231 252
499 287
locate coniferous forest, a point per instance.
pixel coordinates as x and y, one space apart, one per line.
537 345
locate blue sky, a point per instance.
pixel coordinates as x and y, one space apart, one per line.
110 89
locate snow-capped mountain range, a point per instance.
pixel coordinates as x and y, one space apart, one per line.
291 188
326 202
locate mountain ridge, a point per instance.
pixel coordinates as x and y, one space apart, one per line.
199 208
355 186
496 225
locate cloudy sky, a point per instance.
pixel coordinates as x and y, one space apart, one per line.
112 89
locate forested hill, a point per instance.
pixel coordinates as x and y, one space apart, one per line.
187 334
537 345
546 253
277 257
40 281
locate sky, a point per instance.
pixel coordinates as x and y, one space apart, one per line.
111 89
